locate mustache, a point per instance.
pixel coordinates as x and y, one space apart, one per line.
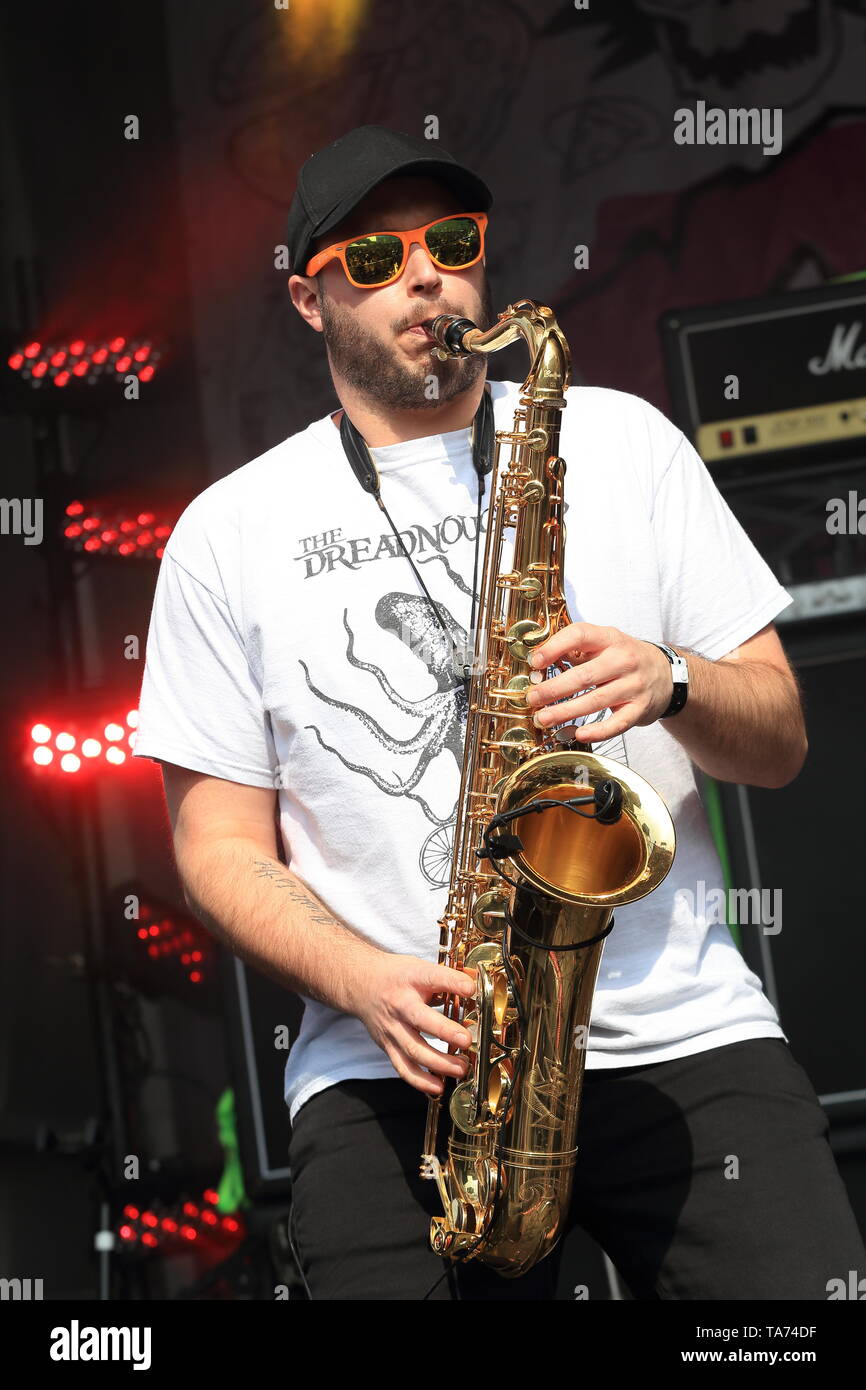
420 319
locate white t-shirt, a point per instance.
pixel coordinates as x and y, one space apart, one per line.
290 646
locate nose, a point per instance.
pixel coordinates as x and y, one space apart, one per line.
423 275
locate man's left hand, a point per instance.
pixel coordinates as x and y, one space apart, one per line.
632 678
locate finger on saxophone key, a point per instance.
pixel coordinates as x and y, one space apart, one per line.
448 983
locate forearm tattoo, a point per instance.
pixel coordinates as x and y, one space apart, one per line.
279 875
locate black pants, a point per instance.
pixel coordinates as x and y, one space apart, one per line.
708 1177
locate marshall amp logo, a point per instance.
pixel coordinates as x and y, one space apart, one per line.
763 378
843 354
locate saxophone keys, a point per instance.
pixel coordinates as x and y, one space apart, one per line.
525 636
514 692
515 744
488 913
534 491
464 1109
529 585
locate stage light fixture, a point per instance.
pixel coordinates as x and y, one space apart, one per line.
82 363
116 528
79 742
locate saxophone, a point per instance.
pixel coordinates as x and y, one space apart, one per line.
580 836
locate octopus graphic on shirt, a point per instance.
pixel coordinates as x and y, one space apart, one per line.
441 715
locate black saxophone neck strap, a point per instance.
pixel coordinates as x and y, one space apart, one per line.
365 470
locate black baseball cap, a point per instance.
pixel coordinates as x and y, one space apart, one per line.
336 178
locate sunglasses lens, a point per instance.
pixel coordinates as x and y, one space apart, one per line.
454 242
374 259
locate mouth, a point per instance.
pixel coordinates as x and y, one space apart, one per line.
419 331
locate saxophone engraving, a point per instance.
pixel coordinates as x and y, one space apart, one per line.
550 839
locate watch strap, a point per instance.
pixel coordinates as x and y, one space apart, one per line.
680 673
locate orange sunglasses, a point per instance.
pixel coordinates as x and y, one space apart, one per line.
378 258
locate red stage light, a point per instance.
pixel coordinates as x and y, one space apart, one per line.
94 543
120 535
132 1212
80 735
149 1239
211 1195
81 361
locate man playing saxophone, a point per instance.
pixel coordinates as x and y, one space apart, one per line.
310 615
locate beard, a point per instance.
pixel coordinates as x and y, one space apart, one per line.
374 369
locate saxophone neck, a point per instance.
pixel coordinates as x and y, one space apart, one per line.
550 358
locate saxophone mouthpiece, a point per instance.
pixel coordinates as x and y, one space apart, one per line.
449 331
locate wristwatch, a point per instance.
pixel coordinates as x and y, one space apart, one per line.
680 673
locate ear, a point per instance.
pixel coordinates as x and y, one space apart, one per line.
304 290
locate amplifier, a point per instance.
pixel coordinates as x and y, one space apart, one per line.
772 393
765 377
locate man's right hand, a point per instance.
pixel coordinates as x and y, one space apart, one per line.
393 1003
